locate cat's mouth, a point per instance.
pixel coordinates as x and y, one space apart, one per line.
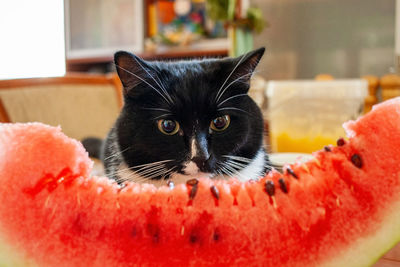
178 178
189 170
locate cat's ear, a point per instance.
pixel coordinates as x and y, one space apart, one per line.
131 69
243 66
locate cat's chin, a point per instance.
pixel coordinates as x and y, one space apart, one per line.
178 178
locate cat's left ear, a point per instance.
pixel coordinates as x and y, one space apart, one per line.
244 66
132 70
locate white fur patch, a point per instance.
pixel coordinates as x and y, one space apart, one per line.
255 169
191 168
193 149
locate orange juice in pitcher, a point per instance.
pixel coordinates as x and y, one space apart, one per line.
306 115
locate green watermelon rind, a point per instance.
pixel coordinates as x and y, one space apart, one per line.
12 257
387 237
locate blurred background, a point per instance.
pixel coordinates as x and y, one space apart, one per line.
303 38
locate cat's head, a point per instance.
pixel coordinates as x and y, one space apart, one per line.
189 119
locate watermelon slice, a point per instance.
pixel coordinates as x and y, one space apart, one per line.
340 209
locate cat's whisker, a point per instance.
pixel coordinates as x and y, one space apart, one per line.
143 80
238 158
165 174
141 171
126 178
216 174
236 172
117 153
158 109
162 116
230 74
231 169
161 84
161 87
231 108
165 90
225 170
156 174
151 163
229 85
230 173
229 98
237 165
149 170
140 179
145 172
219 169
132 179
240 165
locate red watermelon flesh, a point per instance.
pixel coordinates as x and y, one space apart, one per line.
343 209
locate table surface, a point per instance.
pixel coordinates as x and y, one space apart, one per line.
390 259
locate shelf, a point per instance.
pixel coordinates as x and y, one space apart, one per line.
200 49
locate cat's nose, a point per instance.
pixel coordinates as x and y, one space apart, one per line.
199 151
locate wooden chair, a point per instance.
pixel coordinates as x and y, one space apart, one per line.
390 85
82 104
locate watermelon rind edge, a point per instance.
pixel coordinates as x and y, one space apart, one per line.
364 251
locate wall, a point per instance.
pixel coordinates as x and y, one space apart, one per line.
344 38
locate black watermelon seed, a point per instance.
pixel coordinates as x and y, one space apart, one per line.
171 184
133 232
193 238
357 161
327 149
283 186
341 142
193 192
214 191
156 238
270 188
291 172
216 235
192 182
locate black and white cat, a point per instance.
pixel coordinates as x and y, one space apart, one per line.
184 120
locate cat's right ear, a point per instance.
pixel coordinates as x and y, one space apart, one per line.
131 69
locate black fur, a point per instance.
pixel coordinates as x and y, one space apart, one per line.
191 99
93 146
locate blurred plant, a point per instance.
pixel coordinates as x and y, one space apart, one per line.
227 11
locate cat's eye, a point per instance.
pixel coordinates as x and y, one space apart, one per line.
168 127
220 123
